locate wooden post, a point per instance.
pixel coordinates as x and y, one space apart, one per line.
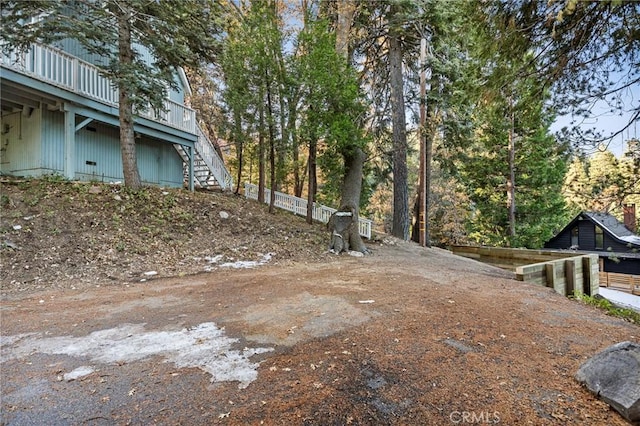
559 284
594 273
586 275
69 164
551 274
570 272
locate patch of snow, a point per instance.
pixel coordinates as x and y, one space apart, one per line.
241 264
631 239
214 259
82 371
204 346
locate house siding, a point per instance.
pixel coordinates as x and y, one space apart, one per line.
618 265
586 235
98 156
563 241
33 144
612 245
53 141
20 146
172 167
158 162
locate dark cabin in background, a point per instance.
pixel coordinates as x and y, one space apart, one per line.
615 242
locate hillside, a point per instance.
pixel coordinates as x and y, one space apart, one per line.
59 234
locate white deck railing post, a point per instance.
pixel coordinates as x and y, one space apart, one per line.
61 69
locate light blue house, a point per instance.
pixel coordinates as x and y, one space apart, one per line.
60 116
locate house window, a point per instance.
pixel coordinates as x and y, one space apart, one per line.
599 239
574 237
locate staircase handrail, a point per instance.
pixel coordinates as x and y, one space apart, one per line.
210 156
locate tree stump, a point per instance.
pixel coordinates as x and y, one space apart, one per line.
340 224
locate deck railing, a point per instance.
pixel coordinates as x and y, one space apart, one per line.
299 207
58 68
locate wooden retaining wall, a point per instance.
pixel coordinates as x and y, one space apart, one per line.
621 282
508 258
574 275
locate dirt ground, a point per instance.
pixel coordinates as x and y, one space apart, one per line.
405 335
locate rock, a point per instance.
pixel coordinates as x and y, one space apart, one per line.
356 253
224 215
95 190
10 244
614 376
457 344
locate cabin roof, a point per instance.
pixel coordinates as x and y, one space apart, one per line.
614 226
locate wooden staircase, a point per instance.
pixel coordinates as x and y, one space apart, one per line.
209 171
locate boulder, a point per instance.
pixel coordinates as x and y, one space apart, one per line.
614 376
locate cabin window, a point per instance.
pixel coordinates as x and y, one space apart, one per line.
574 237
599 238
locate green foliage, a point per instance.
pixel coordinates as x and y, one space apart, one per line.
509 107
604 304
602 183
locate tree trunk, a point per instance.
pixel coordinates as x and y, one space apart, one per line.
511 181
352 185
261 165
272 146
298 177
125 109
239 149
400 227
353 156
346 11
420 232
313 183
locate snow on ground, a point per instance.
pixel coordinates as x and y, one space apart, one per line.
204 346
240 264
626 300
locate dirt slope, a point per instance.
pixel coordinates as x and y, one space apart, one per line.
58 234
403 336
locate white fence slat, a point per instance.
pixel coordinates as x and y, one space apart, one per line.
299 206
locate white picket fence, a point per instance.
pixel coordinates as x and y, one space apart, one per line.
299 207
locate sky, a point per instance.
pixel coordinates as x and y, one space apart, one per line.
608 122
